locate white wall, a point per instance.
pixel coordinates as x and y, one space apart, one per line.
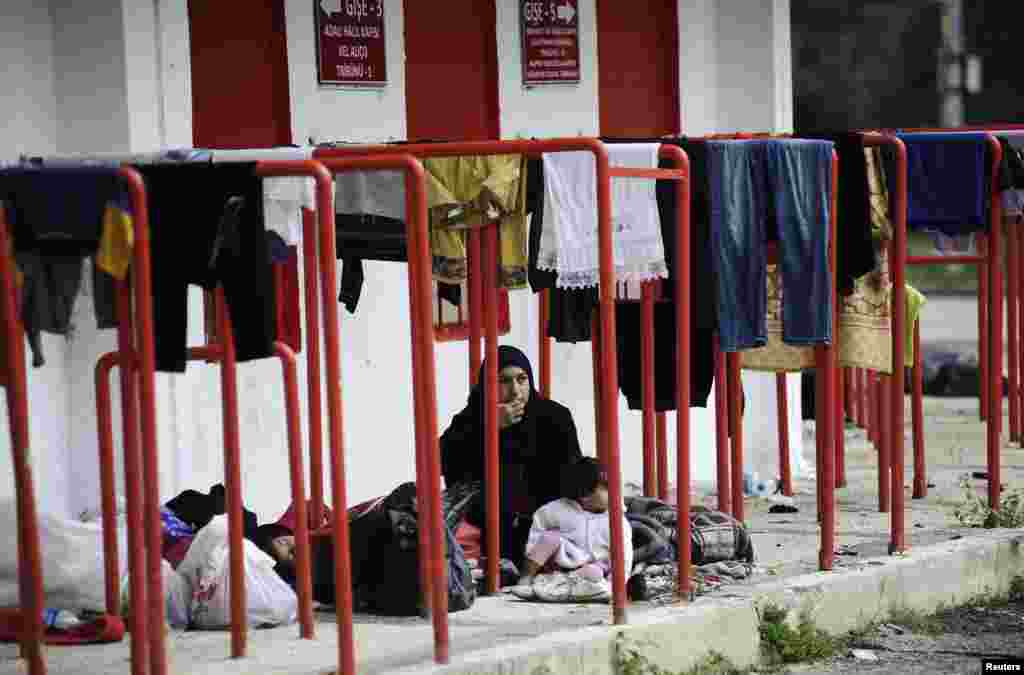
89 67
30 126
26 50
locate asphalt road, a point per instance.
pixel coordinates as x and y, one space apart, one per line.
963 637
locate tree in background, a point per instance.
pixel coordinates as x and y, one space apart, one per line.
865 64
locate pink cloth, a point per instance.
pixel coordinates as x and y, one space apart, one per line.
545 548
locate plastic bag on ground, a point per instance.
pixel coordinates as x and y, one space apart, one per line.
72 560
207 570
177 596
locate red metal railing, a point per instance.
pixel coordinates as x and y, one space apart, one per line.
483 247
990 321
143 514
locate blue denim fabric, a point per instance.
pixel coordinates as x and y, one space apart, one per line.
946 182
788 181
738 222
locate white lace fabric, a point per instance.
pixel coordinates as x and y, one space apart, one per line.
569 240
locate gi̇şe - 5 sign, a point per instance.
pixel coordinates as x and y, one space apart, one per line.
550 41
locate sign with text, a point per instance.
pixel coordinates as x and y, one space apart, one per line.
350 42
550 41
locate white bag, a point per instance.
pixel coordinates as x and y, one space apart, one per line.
72 560
207 569
177 596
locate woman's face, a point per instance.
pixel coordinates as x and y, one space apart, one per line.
514 385
284 549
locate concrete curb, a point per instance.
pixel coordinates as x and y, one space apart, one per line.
676 638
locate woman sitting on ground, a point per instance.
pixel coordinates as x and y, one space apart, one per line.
537 439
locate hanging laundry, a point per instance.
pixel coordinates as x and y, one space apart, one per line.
865 327
463 190
373 193
702 303
855 251
752 181
1011 165
878 188
214 236
59 216
946 182
569 240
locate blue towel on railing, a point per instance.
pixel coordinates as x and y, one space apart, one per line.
946 182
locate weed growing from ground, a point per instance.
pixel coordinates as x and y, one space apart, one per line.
784 644
972 510
630 661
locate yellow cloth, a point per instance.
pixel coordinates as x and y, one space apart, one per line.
463 190
114 255
915 301
865 328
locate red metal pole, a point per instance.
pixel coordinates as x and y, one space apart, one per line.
327 244
983 322
661 429
134 497
108 498
829 360
425 391
143 337
995 327
735 391
342 550
424 516
1012 344
474 285
896 430
840 417
917 419
782 403
1018 224
545 343
232 478
847 394
610 381
860 407
303 571
1020 325
882 391
873 407
722 434
311 282
647 367
595 354
30 571
682 297
492 472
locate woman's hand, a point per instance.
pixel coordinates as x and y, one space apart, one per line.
511 413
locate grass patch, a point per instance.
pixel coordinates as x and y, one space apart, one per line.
972 510
629 660
783 644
